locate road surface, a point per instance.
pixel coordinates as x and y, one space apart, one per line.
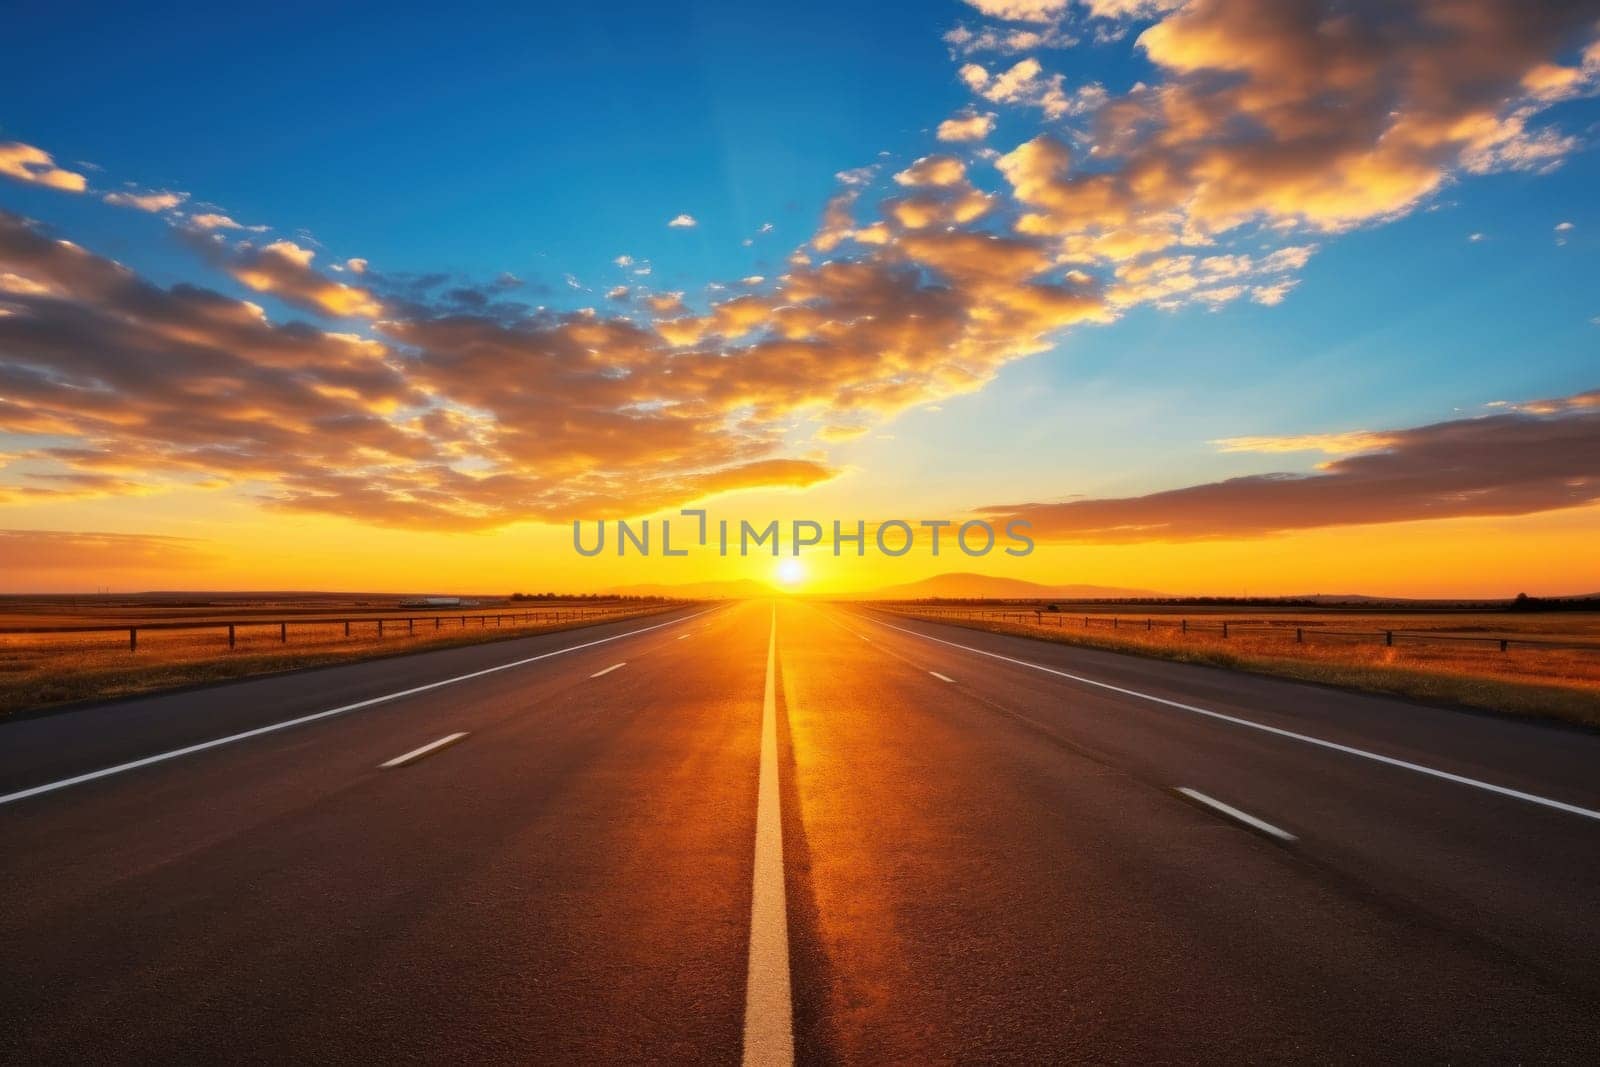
773 831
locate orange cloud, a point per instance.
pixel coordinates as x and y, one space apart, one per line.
1516 463
966 126
1269 117
284 269
214 221
26 163
162 201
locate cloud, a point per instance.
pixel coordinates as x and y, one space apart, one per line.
1262 129
1333 444
117 386
26 163
966 126
1538 457
1130 9
761 474
1021 10
162 201
933 170
1007 40
283 269
1026 83
210 220
682 221
1268 120
121 386
666 303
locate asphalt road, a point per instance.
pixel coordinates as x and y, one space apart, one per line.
768 831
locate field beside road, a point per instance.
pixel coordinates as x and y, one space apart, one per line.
1542 664
103 650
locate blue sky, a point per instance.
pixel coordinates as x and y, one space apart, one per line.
545 142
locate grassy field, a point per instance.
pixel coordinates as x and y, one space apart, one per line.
44 669
1427 660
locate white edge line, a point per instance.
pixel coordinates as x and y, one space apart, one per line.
609 669
1234 813
1489 787
48 787
942 677
417 753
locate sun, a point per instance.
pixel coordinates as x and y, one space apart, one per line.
791 571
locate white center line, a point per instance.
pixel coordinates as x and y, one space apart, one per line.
683 636
609 669
22 794
942 677
417 753
1234 813
768 1008
1432 772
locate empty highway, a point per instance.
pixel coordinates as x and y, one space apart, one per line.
789 831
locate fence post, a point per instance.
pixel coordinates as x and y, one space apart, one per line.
1147 625
1224 630
1299 636
1183 625
1113 622
347 627
1388 638
1504 644
436 622
283 633
230 635
380 627
133 639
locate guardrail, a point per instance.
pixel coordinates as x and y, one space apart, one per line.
462 621
1183 625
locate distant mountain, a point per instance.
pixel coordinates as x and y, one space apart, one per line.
988 587
741 588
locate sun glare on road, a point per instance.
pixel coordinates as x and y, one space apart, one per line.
791 572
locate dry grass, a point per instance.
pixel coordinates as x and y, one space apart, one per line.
1557 683
41 670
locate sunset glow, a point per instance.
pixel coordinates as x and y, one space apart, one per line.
916 531
791 572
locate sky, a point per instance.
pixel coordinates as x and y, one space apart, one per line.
1226 296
